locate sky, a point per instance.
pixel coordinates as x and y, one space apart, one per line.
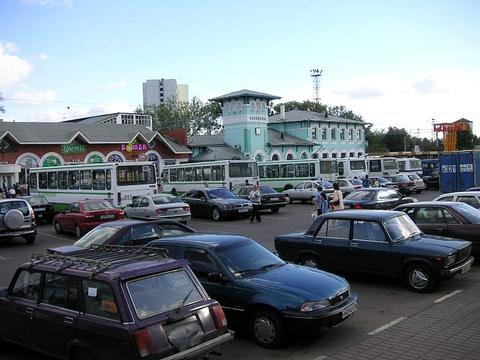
395 63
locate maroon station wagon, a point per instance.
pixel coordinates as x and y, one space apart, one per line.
112 303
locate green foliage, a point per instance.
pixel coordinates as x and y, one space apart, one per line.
343 112
306 105
466 140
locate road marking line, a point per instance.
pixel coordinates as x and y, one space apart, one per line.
321 357
386 326
453 293
54 236
2 258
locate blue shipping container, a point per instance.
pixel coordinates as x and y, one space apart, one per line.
459 170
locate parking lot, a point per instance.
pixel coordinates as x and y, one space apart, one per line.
389 315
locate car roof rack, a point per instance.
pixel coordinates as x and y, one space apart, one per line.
99 258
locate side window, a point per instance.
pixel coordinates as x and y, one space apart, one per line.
124 239
201 262
446 198
27 286
338 228
430 216
144 202
174 252
144 231
99 300
61 291
342 183
449 218
410 212
308 185
470 200
75 208
322 232
299 186
368 230
74 180
136 202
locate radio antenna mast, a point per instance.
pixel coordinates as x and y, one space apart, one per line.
315 74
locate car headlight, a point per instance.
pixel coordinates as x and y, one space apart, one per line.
314 305
450 260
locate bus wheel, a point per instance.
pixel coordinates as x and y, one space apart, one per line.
216 214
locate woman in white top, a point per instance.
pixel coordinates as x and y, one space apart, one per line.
337 198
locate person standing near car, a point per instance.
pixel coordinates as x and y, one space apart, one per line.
366 183
337 198
318 201
255 197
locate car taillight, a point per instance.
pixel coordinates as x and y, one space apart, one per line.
121 213
33 216
161 211
357 206
89 217
186 208
143 342
219 315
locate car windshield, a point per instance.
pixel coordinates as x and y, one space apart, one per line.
96 205
360 195
382 180
327 184
97 236
468 212
162 292
414 176
400 178
37 200
356 182
267 190
246 256
221 194
401 228
165 199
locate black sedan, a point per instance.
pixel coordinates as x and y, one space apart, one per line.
375 198
377 242
452 219
43 210
259 290
271 199
217 203
125 232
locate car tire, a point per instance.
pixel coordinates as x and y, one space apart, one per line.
313 200
30 239
216 214
309 261
274 210
58 227
78 231
82 354
289 199
267 329
419 278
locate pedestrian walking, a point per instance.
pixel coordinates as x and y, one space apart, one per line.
318 201
337 198
366 182
256 199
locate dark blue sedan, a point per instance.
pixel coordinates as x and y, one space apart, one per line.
253 285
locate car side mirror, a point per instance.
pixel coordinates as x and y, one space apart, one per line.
217 277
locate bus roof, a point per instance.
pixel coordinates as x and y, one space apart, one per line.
89 166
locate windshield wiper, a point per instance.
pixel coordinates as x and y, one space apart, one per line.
186 297
266 267
261 268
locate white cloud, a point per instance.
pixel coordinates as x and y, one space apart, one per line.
12 67
113 86
43 56
35 97
67 3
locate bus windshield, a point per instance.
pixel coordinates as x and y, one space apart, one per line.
135 175
237 170
357 165
389 164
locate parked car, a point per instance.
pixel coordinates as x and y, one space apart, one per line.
44 211
306 190
375 198
377 242
83 216
452 219
161 206
471 198
432 181
346 186
271 199
382 182
217 203
259 290
125 233
111 304
17 219
402 183
357 183
418 182
474 189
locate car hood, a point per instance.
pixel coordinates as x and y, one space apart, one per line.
438 243
65 250
314 284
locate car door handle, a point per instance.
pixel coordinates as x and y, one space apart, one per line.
68 320
29 311
354 244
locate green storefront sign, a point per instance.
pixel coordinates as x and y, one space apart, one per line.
72 149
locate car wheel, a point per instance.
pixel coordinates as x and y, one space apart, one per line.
216 214
289 199
78 231
267 329
82 354
313 200
58 227
419 278
30 239
274 210
309 261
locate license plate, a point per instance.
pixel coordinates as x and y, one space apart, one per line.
274 199
466 268
107 216
40 209
349 310
243 210
40 215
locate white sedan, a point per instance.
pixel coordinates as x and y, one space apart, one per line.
161 206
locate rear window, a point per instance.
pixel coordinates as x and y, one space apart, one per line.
468 212
360 195
35 201
96 205
221 194
267 190
165 199
162 292
11 205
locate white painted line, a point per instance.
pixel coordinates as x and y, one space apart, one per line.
2 258
386 326
321 357
453 293
56 237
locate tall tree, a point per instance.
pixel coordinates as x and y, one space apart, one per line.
397 139
343 112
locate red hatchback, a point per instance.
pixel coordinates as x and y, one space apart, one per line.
83 216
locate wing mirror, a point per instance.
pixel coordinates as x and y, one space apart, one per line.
217 277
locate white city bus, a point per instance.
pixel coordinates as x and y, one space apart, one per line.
118 182
379 166
284 174
222 173
410 165
352 167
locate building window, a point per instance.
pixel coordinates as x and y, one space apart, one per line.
324 155
257 131
324 134
334 134
275 157
289 156
360 154
314 133
359 134
342 134
315 156
352 154
350 134
343 155
304 155
334 155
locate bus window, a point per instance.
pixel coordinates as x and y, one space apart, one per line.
188 174
261 171
375 166
33 181
42 180
86 179
312 170
357 165
301 170
283 171
341 170
218 173
180 176
74 180
172 174
207 173
98 179
52 180
401 165
272 171
108 179
197 174
389 164
242 169
62 180
135 175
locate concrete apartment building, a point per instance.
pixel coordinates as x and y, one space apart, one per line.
157 92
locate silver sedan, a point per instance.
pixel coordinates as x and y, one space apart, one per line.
161 206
